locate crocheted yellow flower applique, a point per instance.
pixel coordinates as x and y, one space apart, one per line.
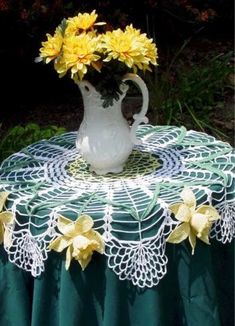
196 221
79 238
6 217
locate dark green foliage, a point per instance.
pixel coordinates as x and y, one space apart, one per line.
192 92
108 81
201 85
19 137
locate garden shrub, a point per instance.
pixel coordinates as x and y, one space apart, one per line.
19 137
194 90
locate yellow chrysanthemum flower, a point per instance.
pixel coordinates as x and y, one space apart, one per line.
51 49
78 53
82 22
121 46
151 52
130 47
60 66
77 47
147 47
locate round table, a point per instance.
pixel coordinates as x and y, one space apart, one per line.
140 280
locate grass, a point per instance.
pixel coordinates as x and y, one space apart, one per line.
189 92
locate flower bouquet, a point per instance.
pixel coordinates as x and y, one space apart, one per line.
82 48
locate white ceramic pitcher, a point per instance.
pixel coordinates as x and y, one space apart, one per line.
105 140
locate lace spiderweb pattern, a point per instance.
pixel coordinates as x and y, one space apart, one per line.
130 210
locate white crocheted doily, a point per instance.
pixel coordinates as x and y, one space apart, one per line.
130 210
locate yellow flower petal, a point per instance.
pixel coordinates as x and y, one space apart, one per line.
85 245
175 207
60 243
130 47
92 234
66 226
183 214
192 241
179 234
83 224
1 233
100 24
78 53
80 242
208 210
68 257
199 222
84 262
3 197
199 219
189 198
6 217
205 238
63 221
81 22
83 250
7 238
205 235
79 238
51 48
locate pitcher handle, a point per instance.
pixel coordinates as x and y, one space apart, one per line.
141 116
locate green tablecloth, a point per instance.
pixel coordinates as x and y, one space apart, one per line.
131 211
196 291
